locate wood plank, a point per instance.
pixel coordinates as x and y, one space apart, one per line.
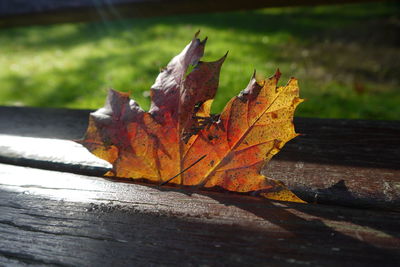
54 218
348 162
50 154
26 13
345 162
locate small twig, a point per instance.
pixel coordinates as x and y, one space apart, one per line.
194 163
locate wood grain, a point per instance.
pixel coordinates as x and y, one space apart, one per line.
343 162
63 219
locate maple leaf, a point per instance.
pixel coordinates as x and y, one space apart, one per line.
178 141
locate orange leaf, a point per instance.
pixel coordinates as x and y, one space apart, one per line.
179 138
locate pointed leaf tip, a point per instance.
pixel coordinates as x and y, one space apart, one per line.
277 74
254 74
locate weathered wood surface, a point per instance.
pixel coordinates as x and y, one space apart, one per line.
344 162
63 219
25 12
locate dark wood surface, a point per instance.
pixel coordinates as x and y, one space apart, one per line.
25 12
53 213
63 219
344 162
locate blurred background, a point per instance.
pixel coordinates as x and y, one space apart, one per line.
346 57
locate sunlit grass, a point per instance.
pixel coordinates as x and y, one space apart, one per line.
73 65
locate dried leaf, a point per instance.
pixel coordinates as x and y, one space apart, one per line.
179 137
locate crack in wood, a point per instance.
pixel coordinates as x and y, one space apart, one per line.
30 259
33 229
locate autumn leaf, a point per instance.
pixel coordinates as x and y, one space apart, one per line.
178 141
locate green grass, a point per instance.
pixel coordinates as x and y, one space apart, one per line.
346 57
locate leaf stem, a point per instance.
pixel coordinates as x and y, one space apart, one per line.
187 168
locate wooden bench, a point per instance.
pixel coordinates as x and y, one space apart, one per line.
55 209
